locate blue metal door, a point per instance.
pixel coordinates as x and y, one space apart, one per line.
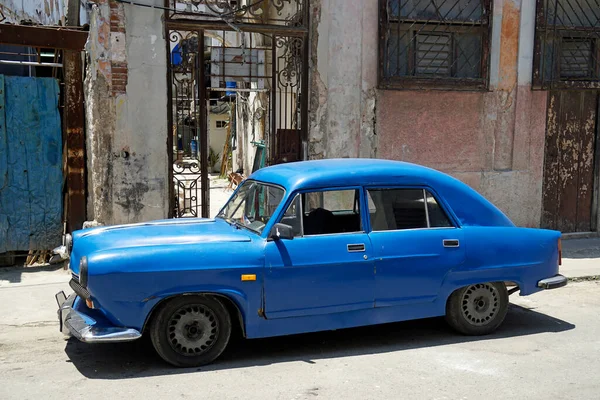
319 274
415 244
411 264
30 164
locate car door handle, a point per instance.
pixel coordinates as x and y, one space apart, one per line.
451 243
355 248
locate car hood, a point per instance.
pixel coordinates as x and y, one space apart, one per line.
155 233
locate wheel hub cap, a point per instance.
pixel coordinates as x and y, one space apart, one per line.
480 304
192 330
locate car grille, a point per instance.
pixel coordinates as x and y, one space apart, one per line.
80 290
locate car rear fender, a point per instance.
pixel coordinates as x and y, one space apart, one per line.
505 254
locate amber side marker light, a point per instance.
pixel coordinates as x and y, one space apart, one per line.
559 251
89 303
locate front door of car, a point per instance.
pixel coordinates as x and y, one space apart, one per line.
415 244
327 267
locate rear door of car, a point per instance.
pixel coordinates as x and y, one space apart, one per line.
328 266
415 240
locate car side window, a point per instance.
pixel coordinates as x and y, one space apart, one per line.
396 209
437 216
293 216
325 212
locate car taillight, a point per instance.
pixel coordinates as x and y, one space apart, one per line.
559 252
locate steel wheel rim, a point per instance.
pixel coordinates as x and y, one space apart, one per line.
480 304
193 330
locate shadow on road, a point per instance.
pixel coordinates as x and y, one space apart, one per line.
15 274
138 359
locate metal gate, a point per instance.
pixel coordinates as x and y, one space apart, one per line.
247 62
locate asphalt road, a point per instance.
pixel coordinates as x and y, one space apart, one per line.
548 348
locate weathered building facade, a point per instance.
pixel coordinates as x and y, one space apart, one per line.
502 94
450 85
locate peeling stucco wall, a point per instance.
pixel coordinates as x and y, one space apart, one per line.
126 114
343 79
492 140
43 12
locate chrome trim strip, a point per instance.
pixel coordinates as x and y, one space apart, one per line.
426 208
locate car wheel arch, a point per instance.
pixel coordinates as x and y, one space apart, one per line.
450 285
230 304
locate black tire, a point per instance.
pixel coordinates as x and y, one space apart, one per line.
477 309
190 331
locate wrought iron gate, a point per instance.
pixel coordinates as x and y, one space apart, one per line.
249 57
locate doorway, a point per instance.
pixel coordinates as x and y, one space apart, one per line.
570 163
237 96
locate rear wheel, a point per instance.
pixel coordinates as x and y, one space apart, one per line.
190 331
477 309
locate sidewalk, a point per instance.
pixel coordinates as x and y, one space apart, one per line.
581 258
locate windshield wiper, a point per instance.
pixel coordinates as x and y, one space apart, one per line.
232 222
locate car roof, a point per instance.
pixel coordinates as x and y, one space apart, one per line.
342 172
469 206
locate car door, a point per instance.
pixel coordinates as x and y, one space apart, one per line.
415 243
327 267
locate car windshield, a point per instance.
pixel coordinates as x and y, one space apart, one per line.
253 205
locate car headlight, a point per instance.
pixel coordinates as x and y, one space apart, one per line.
83 271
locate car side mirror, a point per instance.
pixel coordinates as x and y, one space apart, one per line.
281 231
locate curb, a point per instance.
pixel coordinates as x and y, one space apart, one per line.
589 278
579 235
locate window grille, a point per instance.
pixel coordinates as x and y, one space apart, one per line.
434 43
566 46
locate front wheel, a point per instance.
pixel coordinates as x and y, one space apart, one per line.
190 331
477 309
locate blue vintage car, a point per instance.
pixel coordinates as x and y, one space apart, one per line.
304 247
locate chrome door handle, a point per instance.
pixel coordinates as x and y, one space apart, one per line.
356 248
451 243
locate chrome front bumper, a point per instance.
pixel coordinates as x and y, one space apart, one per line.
86 328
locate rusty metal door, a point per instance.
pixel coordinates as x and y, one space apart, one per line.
571 138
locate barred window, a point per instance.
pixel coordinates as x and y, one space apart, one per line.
434 43
566 48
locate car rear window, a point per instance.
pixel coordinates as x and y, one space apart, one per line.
397 209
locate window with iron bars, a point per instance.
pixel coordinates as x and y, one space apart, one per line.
567 46
434 44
